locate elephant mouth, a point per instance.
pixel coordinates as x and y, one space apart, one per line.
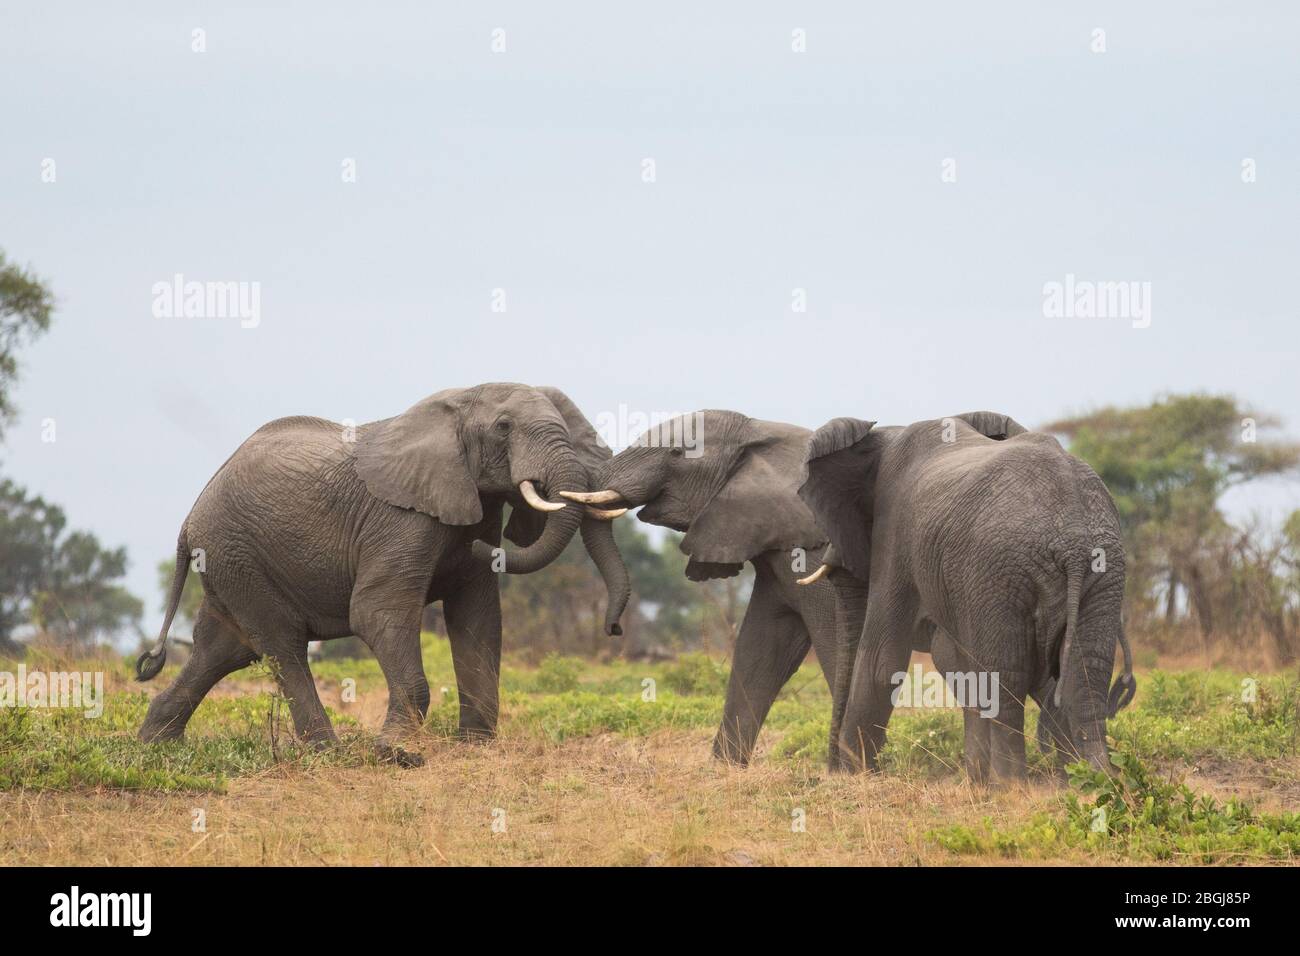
666 511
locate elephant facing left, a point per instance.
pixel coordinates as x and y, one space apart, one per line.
312 531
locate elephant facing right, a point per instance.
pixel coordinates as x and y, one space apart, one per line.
1003 556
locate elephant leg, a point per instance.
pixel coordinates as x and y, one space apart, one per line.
310 721
884 651
949 659
393 634
771 645
283 640
976 745
473 615
219 650
1007 729
1053 729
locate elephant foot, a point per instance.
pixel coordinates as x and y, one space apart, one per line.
729 753
475 735
152 736
159 731
390 753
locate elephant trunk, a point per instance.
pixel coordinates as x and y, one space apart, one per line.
561 472
598 537
850 611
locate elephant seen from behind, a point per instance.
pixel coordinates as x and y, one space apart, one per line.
994 549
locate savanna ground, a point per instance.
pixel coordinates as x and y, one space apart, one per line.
587 770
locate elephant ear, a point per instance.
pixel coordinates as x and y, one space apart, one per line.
757 509
839 488
993 424
417 460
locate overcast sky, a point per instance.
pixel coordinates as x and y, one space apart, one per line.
525 171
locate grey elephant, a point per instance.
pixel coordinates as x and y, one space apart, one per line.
1002 557
312 530
729 482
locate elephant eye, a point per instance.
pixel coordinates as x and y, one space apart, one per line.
503 425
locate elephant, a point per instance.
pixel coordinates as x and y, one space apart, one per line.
312 530
729 482
995 549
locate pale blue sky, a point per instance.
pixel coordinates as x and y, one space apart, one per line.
523 170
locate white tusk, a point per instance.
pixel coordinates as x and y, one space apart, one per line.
606 514
592 497
816 575
537 501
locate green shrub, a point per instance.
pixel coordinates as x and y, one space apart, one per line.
1135 813
696 673
1175 695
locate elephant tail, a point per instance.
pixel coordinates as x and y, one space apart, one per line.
1125 686
1073 591
151 661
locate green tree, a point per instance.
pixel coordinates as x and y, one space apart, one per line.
25 307
29 528
680 613
1167 465
62 583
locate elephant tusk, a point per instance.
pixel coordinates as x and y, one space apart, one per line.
816 575
537 501
592 497
606 514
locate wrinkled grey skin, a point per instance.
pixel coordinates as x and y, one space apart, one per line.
736 501
309 533
981 551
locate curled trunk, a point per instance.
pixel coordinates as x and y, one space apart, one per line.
559 531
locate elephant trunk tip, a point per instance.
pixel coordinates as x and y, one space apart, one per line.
614 630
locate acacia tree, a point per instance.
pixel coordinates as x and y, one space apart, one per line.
1167 465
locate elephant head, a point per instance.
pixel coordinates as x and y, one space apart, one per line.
597 523
448 454
726 480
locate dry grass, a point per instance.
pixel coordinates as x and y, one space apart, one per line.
608 800
588 798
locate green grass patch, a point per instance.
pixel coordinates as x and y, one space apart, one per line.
1176 717
1136 814
63 750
